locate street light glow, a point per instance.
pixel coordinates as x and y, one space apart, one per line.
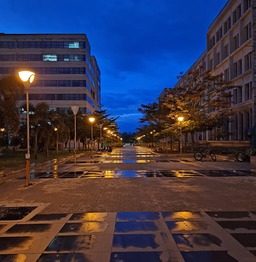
27 76
180 118
91 119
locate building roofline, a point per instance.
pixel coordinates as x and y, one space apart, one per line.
219 14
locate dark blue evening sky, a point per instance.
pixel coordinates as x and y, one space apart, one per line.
140 45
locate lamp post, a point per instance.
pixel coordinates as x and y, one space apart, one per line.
75 110
180 119
100 147
57 140
91 120
27 78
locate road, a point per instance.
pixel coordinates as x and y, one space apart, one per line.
130 205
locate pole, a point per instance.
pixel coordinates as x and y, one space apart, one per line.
57 143
92 138
27 156
180 142
75 137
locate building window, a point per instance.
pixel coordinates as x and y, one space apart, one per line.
247 4
248 91
50 58
225 51
210 65
236 14
226 74
217 58
219 34
237 68
247 32
73 45
248 62
235 42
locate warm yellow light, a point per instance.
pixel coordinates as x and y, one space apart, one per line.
91 119
55 129
180 118
27 76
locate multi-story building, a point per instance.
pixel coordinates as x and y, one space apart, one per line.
66 72
231 39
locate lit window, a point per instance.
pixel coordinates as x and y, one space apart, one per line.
50 58
73 45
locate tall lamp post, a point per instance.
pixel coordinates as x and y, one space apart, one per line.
27 78
180 119
91 120
57 140
100 146
75 111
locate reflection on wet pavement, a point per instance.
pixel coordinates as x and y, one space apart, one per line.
143 173
131 236
208 256
14 213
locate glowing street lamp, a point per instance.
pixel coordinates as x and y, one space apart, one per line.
91 120
27 78
180 119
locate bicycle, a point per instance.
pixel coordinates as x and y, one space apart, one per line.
200 154
243 156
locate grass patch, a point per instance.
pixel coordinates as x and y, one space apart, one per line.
16 159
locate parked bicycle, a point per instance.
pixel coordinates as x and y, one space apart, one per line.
243 156
200 154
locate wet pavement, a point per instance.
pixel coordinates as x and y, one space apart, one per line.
132 205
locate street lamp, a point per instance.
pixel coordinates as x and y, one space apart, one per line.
57 140
100 146
75 110
180 119
27 78
91 120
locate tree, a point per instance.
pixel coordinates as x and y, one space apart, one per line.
202 99
10 90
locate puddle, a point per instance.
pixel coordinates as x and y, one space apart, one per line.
85 228
15 244
13 258
246 239
14 213
89 216
48 217
125 227
179 173
234 225
207 256
28 228
66 257
223 173
185 241
135 241
227 214
134 216
181 215
69 243
138 257
186 226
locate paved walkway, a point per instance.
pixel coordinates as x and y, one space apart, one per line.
131 206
